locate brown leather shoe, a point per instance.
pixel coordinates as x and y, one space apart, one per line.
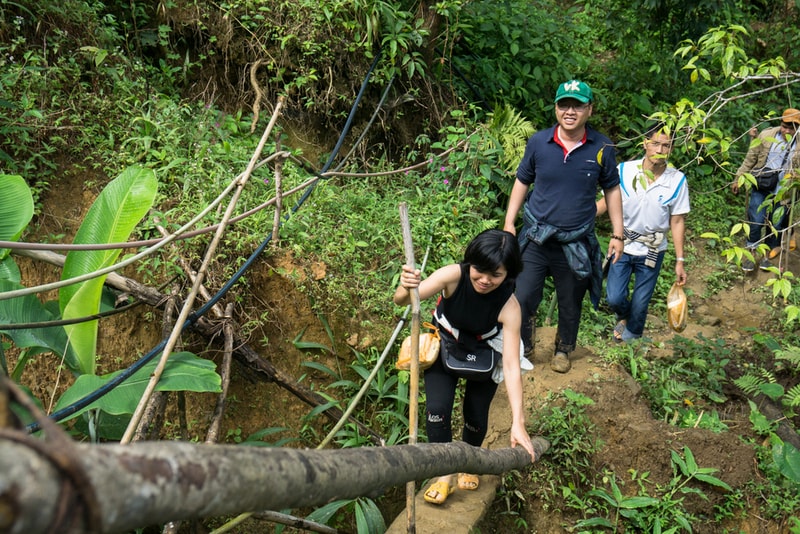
560 363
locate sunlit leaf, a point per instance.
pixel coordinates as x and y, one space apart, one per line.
16 208
111 219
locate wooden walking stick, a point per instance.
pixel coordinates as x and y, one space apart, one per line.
413 395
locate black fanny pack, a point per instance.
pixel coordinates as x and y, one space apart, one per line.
767 180
475 362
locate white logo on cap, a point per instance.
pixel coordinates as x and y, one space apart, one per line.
571 86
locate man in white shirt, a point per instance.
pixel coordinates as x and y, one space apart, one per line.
655 200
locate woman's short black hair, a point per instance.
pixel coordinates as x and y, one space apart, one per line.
491 249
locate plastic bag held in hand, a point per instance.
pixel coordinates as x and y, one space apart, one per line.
677 308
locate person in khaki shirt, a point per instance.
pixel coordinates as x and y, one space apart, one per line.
773 149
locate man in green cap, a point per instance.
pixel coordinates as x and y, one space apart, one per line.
566 164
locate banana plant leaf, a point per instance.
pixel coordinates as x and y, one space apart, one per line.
9 270
16 208
111 219
29 309
184 371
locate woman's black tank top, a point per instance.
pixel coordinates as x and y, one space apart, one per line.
472 312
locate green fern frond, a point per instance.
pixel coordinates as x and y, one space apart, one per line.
510 130
750 383
760 382
792 397
792 355
769 376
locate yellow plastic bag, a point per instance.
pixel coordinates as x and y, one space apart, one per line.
428 350
677 308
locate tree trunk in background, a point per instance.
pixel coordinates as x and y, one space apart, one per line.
432 23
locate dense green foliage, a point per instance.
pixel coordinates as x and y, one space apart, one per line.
451 91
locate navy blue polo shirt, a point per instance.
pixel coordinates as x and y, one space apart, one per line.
565 187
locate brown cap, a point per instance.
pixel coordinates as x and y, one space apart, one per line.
791 115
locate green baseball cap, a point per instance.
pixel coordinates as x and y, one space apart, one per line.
574 89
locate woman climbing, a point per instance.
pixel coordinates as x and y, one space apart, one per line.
476 310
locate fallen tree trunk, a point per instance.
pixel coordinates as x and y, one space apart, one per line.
149 483
243 352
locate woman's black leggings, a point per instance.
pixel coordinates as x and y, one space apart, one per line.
440 392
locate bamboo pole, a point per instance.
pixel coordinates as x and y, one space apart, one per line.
276 218
413 395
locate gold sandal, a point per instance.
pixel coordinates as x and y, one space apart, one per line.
468 482
438 492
